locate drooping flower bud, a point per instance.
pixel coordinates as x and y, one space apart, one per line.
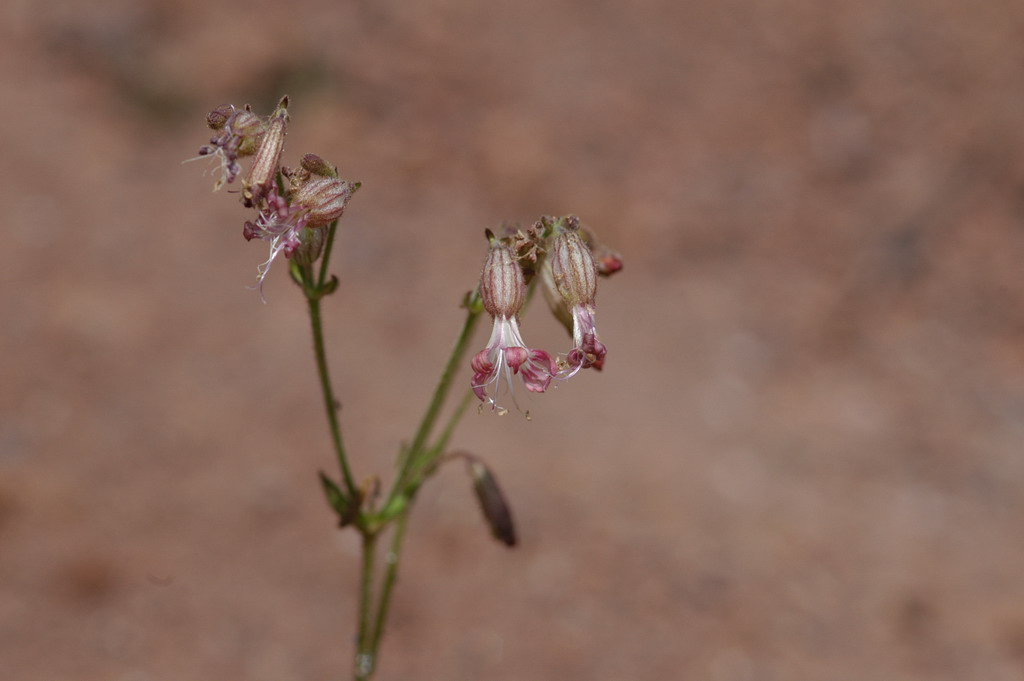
264 165
495 507
502 287
324 199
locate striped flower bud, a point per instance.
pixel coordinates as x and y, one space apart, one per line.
324 199
264 165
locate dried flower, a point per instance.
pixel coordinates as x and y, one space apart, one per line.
239 132
503 292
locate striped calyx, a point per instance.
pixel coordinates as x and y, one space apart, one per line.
264 165
324 198
502 287
573 268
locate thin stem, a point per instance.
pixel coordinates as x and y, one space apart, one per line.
325 260
390 577
330 403
365 649
453 421
415 450
427 461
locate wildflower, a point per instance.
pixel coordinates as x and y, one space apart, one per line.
573 274
281 221
503 291
239 132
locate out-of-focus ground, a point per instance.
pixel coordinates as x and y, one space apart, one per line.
803 461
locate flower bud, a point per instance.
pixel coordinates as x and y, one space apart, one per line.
502 287
218 118
248 129
607 260
573 268
495 507
324 199
264 166
318 166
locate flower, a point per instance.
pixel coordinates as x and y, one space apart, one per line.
503 291
573 273
314 204
281 225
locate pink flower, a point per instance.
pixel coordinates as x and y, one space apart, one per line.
503 290
587 351
280 224
506 354
574 275
315 204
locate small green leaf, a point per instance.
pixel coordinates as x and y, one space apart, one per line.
296 272
330 287
335 497
395 506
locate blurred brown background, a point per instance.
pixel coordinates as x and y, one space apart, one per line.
802 462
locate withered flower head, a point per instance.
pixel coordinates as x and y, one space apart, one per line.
239 132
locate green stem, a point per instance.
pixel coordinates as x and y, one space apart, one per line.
453 421
330 403
416 449
429 459
390 577
325 260
365 661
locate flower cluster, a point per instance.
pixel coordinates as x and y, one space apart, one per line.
557 250
292 205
